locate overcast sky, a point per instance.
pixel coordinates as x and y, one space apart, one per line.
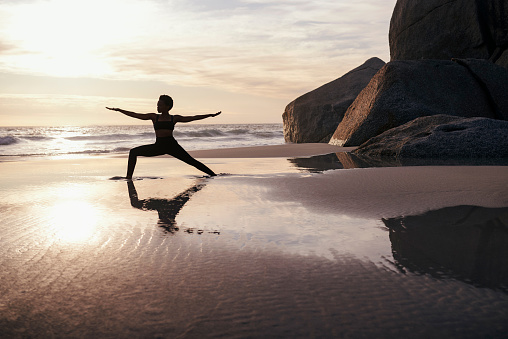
62 61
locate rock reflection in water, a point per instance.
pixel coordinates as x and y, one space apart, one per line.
468 243
318 163
352 160
343 160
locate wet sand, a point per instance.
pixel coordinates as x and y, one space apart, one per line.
278 247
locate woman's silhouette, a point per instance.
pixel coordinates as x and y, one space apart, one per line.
165 143
168 209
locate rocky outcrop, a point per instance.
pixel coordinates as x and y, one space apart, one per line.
448 57
445 29
441 136
405 90
314 116
494 82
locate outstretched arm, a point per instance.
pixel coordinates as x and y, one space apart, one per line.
142 116
189 118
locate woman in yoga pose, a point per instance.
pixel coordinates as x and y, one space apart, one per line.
165 143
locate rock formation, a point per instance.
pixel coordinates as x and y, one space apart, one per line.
441 136
448 57
314 116
445 29
405 90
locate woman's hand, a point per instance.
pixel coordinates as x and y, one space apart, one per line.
214 115
114 109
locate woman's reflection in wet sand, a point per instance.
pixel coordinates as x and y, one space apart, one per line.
168 209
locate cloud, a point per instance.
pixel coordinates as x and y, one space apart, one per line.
6 48
221 5
269 49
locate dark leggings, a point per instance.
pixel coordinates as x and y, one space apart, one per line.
167 145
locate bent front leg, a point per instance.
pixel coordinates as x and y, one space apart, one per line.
131 164
146 151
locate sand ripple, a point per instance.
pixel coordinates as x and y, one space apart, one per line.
140 282
278 266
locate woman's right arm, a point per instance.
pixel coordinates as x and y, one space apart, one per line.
142 116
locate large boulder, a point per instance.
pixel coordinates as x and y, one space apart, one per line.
494 82
314 116
405 90
444 29
441 136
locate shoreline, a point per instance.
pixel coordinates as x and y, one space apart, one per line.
319 156
288 150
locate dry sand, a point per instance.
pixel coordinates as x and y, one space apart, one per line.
272 249
275 151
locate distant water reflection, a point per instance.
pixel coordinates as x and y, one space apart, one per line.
344 160
468 243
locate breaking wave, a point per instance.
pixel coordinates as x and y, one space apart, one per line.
8 140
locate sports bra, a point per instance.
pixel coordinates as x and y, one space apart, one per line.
163 124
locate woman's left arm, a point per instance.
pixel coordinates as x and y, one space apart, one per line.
189 118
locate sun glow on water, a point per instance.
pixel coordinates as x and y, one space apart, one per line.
72 215
74 221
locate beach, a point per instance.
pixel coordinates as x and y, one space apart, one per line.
287 241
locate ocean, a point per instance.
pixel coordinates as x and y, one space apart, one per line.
91 140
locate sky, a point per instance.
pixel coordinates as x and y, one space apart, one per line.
63 61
